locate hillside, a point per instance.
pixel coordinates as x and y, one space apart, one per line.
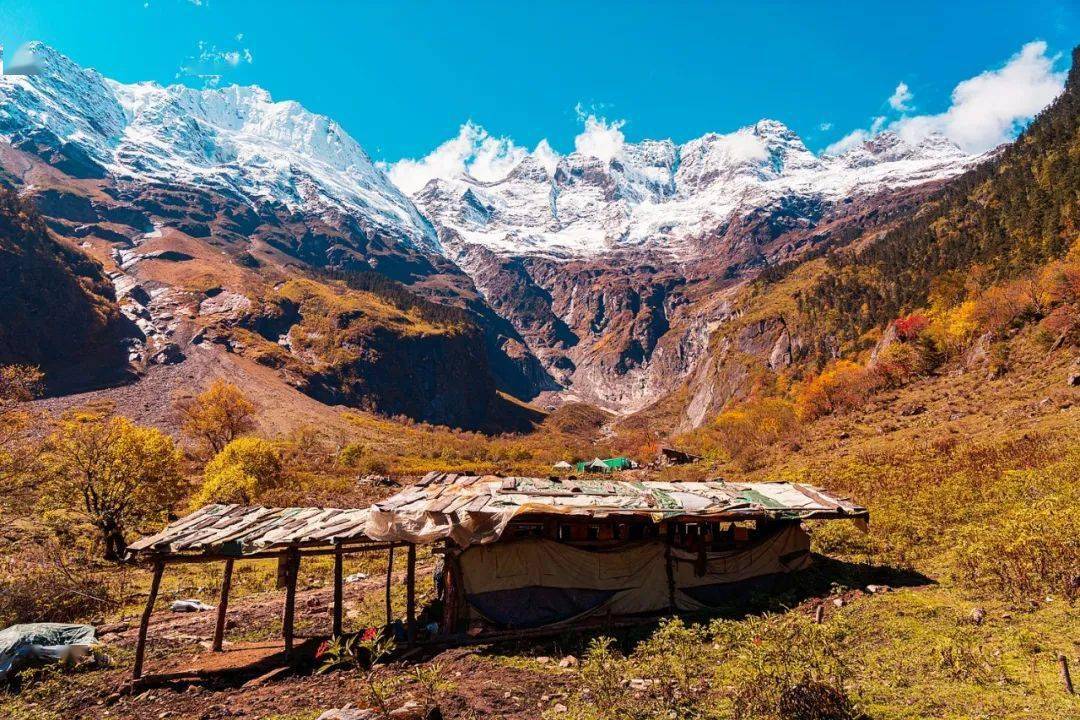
75 317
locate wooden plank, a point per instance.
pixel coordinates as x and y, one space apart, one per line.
144 622
816 496
389 576
223 606
410 595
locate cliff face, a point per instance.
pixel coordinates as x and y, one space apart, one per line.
57 302
379 349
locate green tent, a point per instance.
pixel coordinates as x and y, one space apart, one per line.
605 466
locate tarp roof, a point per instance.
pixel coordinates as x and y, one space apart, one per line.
238 530
476 509
472 509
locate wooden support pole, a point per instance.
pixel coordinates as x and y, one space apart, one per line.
819 614
389 576
292 570
338 591
223 606
144 623
410 595
1066 678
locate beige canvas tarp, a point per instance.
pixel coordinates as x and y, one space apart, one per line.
475 510
535 581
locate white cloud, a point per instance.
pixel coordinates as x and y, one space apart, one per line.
986 110
856 137
547 156
207 66
901 98
600 139
990 108
473 151
825 127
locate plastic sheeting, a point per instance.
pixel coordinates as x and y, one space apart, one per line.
22 645
535 582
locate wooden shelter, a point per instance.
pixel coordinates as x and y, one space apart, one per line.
227 533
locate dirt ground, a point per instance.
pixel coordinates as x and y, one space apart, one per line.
183 679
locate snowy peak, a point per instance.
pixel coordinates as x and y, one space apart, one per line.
657 195
235 138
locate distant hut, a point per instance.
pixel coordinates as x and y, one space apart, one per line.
671 456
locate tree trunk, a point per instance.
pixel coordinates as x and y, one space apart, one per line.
115 544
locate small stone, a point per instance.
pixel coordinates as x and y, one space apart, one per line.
560 708
875 589
568 661
543 659
978 615
839 602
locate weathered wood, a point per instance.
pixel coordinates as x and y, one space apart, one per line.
450 592
292 570
1066 677
389 578
223 606
144 623
348 549
339 560
410 594
819 614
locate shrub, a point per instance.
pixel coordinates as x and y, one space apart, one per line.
910 327
844 385
244 470
216 417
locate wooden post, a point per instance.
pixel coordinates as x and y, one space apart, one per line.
338 582
292 569
410 595
389 573
223 606
144 623
1066 678
670 565
819 614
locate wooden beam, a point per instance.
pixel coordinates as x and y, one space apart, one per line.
389 576
144 623
339 560
223 606
292 570
266 555
410 595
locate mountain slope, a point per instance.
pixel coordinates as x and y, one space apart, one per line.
57 302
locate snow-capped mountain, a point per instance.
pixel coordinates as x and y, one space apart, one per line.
235 139
667 197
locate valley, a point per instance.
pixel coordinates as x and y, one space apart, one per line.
214 296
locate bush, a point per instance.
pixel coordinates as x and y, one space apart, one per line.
246 469
844 385
39 585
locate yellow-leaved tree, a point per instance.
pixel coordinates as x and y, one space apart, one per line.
119 474
245 469
18 384
217 416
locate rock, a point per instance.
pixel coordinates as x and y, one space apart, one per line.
543 659
169 354
1074 379
560 708
875 589
348 714
978 615
355 577
568 661
912 409
839 602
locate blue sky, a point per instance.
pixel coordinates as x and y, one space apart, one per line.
402 77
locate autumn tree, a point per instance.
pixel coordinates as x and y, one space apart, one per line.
18 384
245 469
217 416
117 473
